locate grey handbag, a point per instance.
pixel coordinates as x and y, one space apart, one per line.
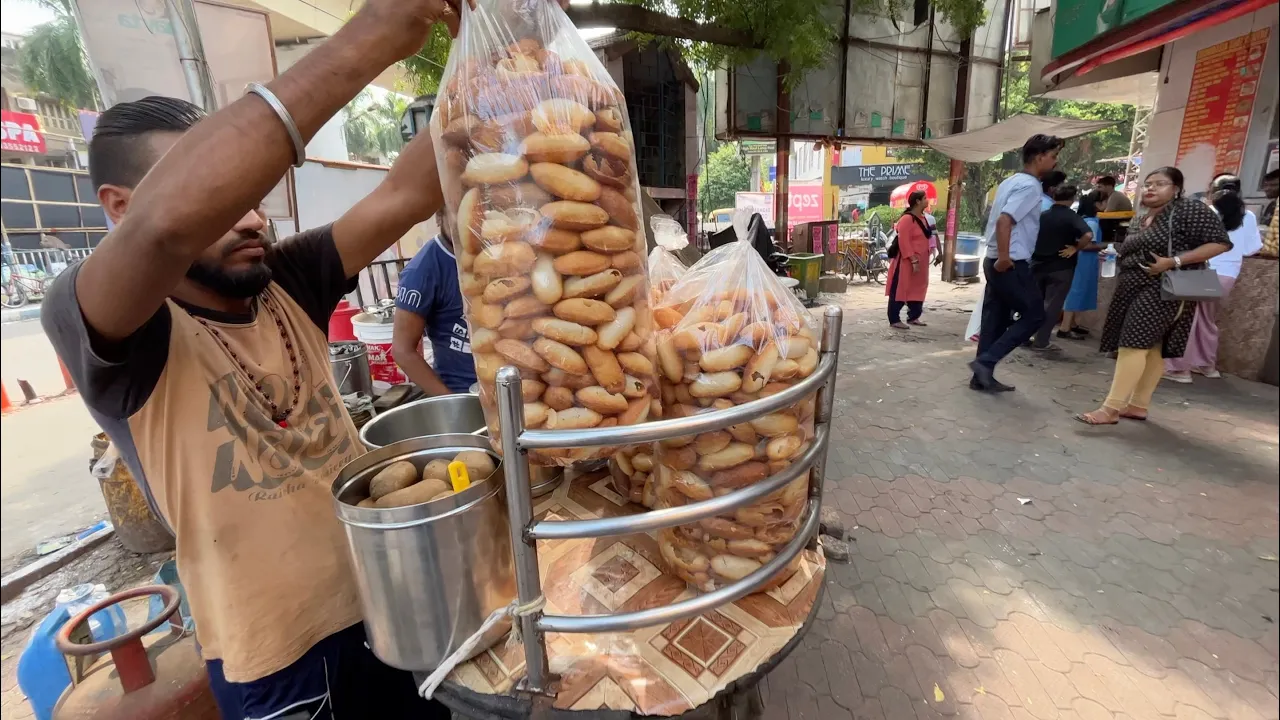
1193 285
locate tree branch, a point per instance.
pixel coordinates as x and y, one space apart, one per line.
634 18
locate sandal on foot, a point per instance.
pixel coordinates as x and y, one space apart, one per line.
920 323
899 326
1131 413
1090 418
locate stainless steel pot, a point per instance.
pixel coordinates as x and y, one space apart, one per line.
460 413
428 574
438 415
349 360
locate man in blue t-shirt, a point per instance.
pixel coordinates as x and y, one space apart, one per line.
429 302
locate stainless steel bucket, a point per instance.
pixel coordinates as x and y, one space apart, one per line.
428 574
438 415
349 361
460 413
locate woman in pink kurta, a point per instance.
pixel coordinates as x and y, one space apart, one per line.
909 271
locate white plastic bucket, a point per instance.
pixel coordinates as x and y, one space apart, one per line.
377 337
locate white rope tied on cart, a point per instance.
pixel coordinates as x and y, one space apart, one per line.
515 611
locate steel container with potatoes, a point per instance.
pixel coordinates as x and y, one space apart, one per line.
537 165
729 333
431 561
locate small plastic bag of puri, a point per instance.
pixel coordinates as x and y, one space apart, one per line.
632 467
729 333
537 164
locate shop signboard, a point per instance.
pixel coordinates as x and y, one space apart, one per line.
1224 83
871 174
804 204
756 202
22 132
1079 21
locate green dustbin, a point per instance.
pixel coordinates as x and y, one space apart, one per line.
807 268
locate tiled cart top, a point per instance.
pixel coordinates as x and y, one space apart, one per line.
660 670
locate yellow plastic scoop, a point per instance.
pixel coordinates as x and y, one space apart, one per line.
459 476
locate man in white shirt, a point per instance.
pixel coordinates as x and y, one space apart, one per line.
1012 228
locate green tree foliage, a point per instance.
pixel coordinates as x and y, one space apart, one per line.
802 33
51 60
372 127
725 173
1079 159
424 68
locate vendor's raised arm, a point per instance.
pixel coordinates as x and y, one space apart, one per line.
214 176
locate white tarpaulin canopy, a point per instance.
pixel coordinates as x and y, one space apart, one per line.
981 145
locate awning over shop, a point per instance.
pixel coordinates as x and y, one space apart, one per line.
988 142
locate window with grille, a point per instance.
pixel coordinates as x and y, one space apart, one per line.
655 105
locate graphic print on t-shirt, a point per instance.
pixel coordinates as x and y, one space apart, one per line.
311 441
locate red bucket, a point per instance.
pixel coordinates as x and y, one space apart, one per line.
340 322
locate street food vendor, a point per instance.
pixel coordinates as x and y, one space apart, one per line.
199 345
428 301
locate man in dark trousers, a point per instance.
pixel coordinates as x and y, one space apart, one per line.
1062 234
1012 230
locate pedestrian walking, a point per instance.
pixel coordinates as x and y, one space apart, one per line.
1063 234
200 346
1142 326
1201 355
1012 229
909 268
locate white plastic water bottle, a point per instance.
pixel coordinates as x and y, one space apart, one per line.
1109 262
104 624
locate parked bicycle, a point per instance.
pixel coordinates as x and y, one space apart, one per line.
23 284
871 264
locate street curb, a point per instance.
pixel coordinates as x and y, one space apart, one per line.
14 583
20 314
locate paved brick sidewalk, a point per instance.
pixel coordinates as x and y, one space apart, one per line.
1011 563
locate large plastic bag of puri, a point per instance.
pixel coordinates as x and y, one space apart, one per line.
536 161
729 333
631 467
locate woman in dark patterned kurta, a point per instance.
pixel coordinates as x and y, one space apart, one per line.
1141 327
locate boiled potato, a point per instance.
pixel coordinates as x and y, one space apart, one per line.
437 469
479 464
396 476
367 503
416 493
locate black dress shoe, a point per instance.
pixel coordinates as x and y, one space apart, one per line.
994 386
982 375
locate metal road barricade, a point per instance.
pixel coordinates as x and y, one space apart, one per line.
525 532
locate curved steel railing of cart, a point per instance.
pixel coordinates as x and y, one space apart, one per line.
525 532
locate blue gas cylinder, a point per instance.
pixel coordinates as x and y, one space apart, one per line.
42 671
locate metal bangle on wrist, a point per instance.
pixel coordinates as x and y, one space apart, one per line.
1177 262
282 112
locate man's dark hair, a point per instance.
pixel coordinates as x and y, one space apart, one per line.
1273 175
1051 180
1065 193
915 197
118 154
1107 180
1038 145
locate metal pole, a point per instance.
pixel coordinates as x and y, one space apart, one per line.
515 462
832 320
955 178
191 53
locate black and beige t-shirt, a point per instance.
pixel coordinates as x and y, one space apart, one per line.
263 558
